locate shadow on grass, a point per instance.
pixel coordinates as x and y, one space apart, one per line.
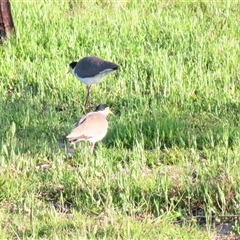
42 122
162 128
31 121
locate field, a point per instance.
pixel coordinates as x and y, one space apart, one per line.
169 165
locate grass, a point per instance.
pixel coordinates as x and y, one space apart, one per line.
170 160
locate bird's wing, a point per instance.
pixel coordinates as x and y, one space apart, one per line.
91 126
91 66
80 120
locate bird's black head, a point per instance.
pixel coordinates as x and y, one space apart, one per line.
101 107
72 65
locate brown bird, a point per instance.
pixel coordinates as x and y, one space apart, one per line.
91 127
92 70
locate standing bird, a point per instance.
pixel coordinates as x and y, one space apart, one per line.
91 127
91 70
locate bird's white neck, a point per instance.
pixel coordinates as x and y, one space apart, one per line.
73 71
104 112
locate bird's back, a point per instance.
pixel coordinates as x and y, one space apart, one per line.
92 66
91 127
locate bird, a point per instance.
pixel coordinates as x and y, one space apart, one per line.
91 127
91 70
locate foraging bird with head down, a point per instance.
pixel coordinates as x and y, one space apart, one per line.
91 127
92 70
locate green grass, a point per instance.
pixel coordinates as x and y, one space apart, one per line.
172 151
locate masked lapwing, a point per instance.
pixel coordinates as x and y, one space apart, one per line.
91 127
92 70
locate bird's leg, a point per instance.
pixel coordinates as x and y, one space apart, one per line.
92 147
87 103
89 92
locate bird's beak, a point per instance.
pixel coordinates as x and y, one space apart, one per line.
110 112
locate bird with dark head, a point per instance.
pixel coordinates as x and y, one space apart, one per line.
91 127
91 70
72 65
